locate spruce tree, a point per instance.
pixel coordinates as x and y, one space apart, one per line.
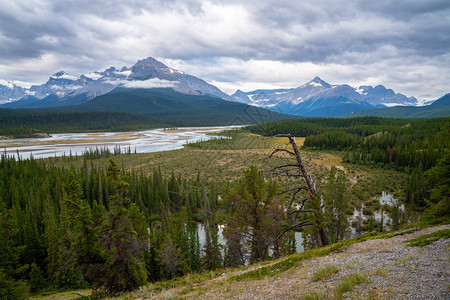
124 268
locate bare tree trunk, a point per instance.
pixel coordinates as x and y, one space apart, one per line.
309 182
325 238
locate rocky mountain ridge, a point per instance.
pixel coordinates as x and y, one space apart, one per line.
319 98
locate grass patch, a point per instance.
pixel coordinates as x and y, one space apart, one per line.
325 273
348 266
187 291
396 233
350 282
427 239
316 296
404 259
187 282
271 270
76 294
379 272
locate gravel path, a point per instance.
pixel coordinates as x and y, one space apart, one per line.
395 271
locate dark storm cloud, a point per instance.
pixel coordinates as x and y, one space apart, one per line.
29 35
88 35
321 30
290 30
404 9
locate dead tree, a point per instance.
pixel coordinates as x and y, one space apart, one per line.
297 206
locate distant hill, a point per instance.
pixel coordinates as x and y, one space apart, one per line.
19 123
176 108
439 108
151 107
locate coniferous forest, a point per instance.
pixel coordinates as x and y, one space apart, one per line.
413 147
77 225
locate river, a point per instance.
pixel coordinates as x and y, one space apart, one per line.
140 141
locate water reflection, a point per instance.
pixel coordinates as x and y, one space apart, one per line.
222 240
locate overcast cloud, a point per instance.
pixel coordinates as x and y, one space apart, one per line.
404 45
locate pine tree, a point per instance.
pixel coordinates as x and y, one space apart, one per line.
10 254
124 269
171 256
336 205
53 237
254 214
212 258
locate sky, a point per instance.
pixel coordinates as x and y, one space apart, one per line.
403 45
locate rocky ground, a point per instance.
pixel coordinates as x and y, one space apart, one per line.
391 269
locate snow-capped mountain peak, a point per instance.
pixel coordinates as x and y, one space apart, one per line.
10 91
146 73
318 82
7 84
63 75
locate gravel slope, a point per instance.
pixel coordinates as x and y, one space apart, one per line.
394 270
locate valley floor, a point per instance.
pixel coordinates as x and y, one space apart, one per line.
390 268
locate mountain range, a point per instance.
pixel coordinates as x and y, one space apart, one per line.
63 89
437 109
316 98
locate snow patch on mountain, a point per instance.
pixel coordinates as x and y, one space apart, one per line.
6 83
124 73
361 91
63 75
314 83
424 102
93 75
176 71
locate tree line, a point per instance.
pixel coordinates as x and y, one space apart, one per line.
28 123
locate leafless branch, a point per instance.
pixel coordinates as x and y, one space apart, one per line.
276 135
294 189
280 150
282 166
302 223
285 174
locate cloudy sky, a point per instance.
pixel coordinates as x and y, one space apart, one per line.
404 45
